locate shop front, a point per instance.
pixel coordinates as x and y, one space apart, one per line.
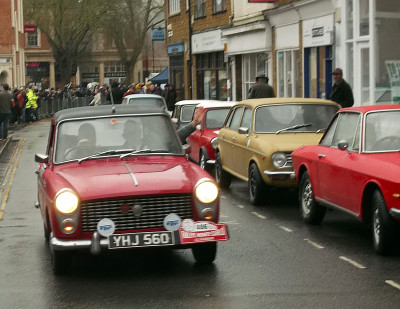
176 69
249 52
38 73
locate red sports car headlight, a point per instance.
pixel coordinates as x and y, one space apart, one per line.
66 201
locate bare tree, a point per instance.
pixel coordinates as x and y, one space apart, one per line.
127 23
68 26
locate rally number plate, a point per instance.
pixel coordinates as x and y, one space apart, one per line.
146 239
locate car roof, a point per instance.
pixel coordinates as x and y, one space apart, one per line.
195 102
271 101
143 95
106 110
369 108
216 104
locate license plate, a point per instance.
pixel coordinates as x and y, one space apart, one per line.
145 239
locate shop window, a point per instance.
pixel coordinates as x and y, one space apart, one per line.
253 65
219 6
174 7
349 14
364 17
199 8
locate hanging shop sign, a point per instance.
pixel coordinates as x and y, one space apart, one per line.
29 28
158 34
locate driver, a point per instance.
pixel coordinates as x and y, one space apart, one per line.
86 143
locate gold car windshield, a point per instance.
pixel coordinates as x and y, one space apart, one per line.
382 131
295 117
115 136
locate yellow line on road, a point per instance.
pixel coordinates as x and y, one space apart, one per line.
14 164
21 141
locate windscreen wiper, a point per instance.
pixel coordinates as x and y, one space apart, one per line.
107 152
146 150
297 126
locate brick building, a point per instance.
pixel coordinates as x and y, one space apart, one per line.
12 70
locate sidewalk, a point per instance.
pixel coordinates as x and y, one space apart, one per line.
6 142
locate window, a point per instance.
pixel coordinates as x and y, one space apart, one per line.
288 76
253 65
234 125
246 121
219 6
199 8
33 39
174 7
346 129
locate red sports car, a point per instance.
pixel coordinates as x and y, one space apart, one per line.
355 168
202 151
116 177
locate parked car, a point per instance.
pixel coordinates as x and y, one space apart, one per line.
116 177
355 168
202 151
183 112
259 135
145 100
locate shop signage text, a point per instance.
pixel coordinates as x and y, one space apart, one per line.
29 28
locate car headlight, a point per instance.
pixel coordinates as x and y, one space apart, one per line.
279 159
214 142
66 201
206 192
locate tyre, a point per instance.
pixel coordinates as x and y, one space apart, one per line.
46 233
60 261
311 211
383 226
256 185
223 178
205 253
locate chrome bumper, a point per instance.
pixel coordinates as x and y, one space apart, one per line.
395 213
95 244
289 174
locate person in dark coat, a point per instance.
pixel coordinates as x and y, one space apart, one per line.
261 89
116 93
341 91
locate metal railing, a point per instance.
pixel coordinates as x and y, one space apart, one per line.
49 107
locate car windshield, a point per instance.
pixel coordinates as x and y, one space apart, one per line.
150 101
382 131
295 117
215 118
100 137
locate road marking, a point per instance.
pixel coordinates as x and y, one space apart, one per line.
352 262
286 229
258 215
14 164
393 284
241 206
231 222
312 243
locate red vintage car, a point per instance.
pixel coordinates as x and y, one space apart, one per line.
202 151
116 177
355 168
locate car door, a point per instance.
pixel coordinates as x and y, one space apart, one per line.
334 165
243 155
227 139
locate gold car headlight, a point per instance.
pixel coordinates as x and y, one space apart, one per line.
206 192
66 201
279 159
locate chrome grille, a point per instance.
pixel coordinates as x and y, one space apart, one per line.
154 209
289 162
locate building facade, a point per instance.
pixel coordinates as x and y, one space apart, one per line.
12 57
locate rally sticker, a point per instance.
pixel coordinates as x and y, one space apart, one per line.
172 222
192 232
106 227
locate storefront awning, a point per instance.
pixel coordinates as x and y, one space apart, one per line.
161 78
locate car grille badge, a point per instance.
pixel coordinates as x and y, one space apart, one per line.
137 210
125 208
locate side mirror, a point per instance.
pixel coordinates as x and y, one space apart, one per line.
41 158
343 145
243 130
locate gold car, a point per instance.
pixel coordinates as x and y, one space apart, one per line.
259 135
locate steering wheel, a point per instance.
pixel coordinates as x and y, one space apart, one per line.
386 141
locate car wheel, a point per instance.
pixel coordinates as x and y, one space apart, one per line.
257 187
203 160
60 261
223 178
383 226
205 253
311 211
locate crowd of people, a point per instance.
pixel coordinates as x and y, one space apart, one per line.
21 105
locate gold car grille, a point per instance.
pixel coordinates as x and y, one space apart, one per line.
289 162
135 213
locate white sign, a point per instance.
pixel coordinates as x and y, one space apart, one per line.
209 41
318 31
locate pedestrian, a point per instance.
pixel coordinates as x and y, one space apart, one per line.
170 96
341 90
97 97
261 89
131 90
116 93
21 96
31 105
5 110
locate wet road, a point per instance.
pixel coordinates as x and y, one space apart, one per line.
272 260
